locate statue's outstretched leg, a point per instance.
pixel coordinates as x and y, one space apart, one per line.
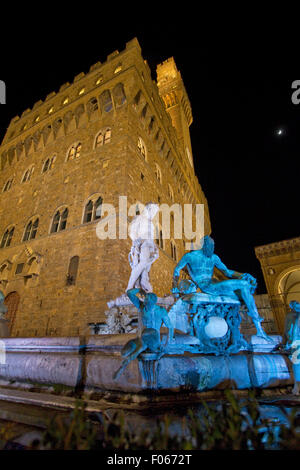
135 274
145 284
140 267
131 349
253 312
296 389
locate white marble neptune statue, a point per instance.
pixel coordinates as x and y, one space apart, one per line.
144 250
143 253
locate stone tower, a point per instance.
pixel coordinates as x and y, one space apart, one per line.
173 92
111 132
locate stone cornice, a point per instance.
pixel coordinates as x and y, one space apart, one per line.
278 248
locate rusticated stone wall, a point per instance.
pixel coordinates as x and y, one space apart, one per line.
120 100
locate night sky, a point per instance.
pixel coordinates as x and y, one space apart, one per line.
240 91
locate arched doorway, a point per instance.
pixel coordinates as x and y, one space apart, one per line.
289 286
11 301
286 288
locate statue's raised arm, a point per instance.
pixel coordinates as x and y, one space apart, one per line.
180 265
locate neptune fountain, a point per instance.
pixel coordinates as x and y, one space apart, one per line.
203 346
188 341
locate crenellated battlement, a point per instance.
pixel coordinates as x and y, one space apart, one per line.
74 102
54 102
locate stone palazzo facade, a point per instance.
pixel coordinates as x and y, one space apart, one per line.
112 132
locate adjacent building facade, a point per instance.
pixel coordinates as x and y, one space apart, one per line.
280 263
112 132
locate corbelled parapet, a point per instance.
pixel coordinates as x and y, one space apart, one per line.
278 248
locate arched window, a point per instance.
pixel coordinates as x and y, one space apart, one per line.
170 192
4 275
99 140
59 221
93 210
49 163
74 151
88 211
103 137
72 271
52 160
162 147
151 124
137 98
159 237
27 175
55 222
158 173
173 250
144 111
118 68
107 136
98 208
6 239
7 185
31 229
46 165
106 101
63 219
142 148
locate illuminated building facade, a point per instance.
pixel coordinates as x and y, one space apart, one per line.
280 263
113 131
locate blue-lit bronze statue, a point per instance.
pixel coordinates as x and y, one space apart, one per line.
293 342
152 317
208 321
200 265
